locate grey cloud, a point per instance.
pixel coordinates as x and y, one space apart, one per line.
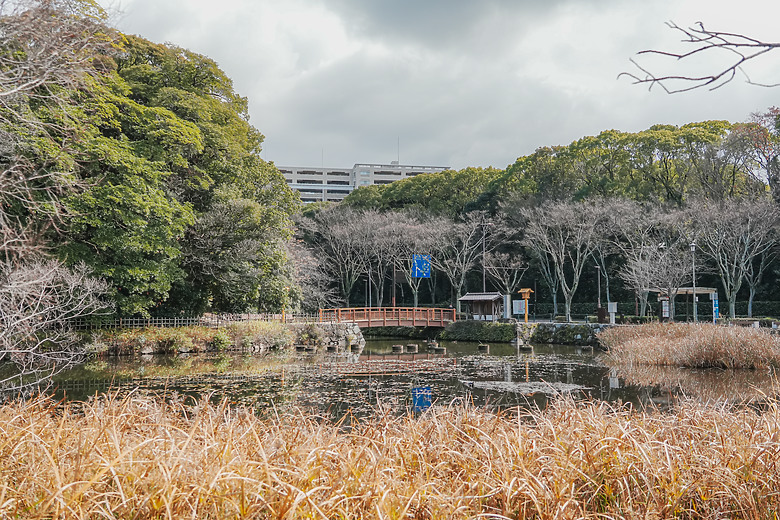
447 23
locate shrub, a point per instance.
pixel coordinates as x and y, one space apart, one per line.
479 331
220 341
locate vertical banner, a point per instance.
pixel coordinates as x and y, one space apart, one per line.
421 266
715 308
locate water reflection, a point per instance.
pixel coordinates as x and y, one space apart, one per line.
359 383
713 385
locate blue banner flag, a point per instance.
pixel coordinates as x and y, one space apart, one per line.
421 398
421 267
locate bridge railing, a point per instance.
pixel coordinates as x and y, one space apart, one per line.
207 320
382 316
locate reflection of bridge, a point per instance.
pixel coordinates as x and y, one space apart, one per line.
391 316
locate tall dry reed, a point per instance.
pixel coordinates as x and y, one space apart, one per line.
145 459
691 345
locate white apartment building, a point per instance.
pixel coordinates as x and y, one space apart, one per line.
333 184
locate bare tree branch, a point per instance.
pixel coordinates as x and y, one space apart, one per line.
705 43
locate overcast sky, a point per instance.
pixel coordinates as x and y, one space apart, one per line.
456 82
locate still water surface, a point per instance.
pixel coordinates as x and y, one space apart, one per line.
338 384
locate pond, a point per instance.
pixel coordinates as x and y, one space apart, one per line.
359 384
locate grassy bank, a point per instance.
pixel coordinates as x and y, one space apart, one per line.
691 345
145 459
249 335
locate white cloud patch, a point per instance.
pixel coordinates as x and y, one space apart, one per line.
460 83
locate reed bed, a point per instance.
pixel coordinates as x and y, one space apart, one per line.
691 345
148 459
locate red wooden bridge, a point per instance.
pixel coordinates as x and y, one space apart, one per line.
391 316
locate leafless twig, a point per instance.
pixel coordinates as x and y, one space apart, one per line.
705 42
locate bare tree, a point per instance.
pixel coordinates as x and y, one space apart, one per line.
317 292
47 48
416 236
660 267
513 214
505 264
733 234
755 274
638 272
634 232
38 303
565 234
337 235
704 42
380 241
506 270
459 250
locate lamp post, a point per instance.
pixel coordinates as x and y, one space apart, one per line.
484 228
598 283
284 304
693 269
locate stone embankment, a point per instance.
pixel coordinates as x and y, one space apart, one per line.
334 337
583 334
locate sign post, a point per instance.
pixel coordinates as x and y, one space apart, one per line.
612 309
526 294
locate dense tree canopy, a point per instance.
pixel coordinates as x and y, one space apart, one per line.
178 212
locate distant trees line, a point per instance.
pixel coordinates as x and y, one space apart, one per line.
631 203
638 246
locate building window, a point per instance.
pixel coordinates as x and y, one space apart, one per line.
365 183
340 183
309 181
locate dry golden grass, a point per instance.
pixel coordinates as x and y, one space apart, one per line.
144 459
691 345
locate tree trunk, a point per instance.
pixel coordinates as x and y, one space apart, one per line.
750 301
643 297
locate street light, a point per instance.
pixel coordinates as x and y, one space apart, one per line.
598 283
284 304
484 228
693 269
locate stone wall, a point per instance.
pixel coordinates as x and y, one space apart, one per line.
338 337
560 333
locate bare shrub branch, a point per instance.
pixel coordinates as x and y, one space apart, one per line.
705 43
